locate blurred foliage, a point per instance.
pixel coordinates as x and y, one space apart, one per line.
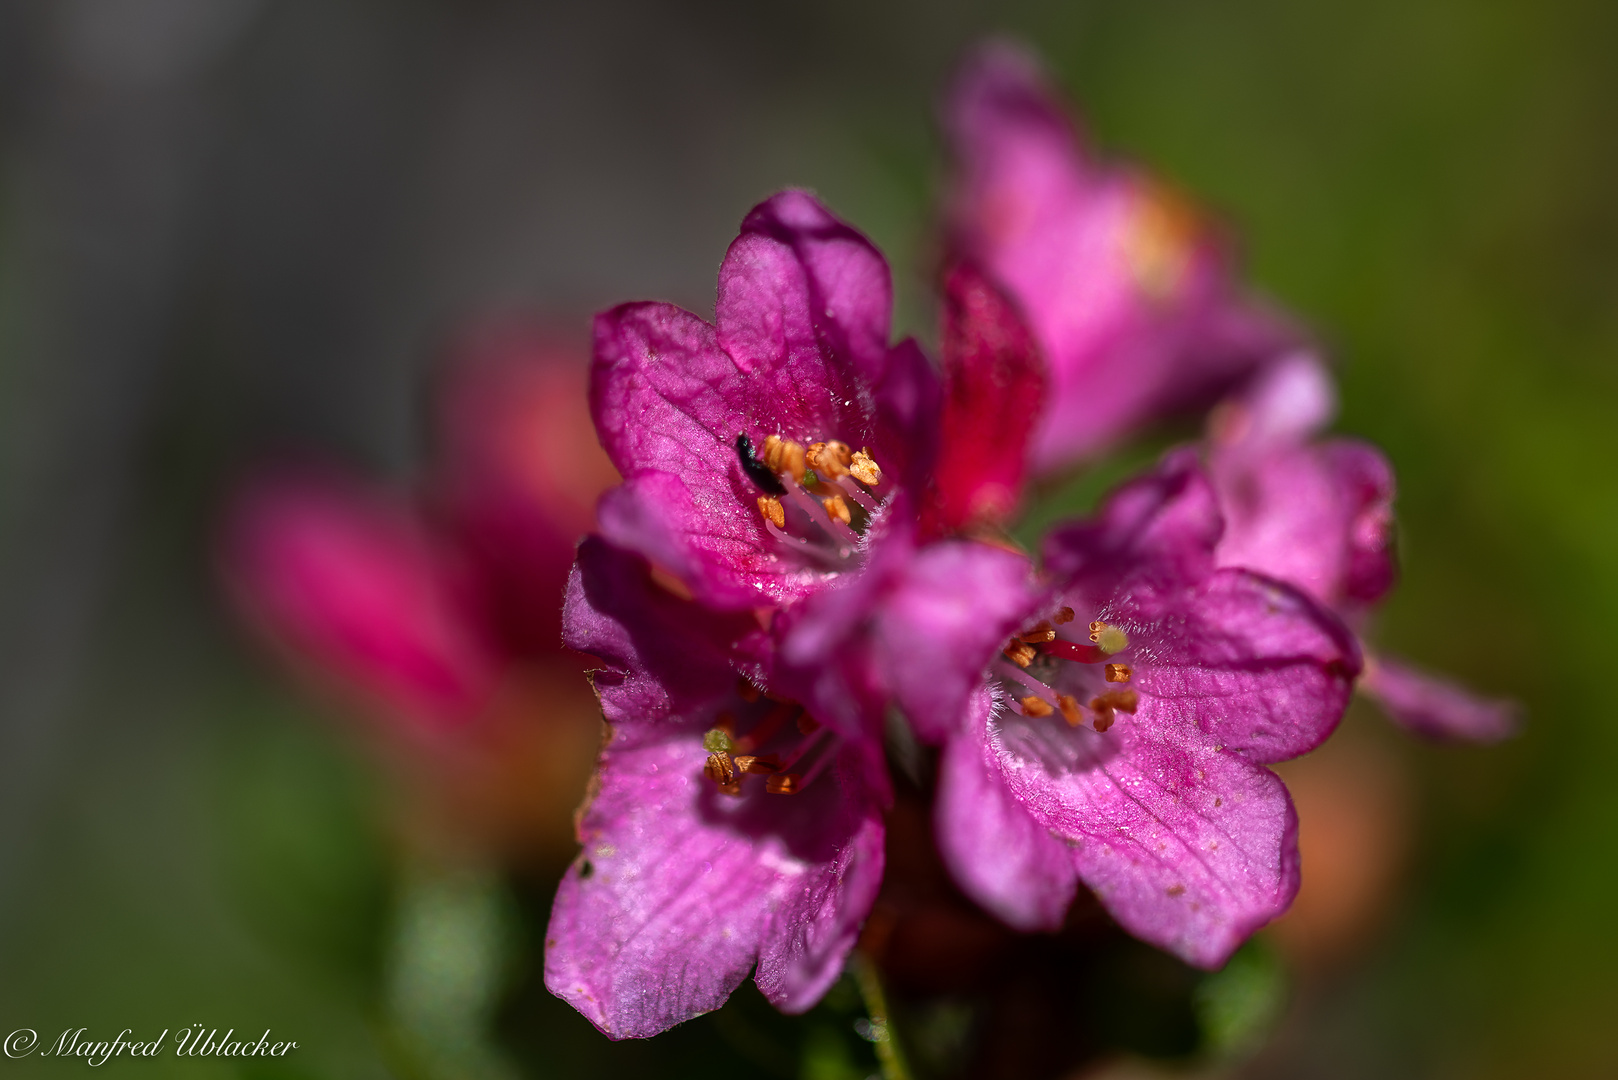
1431 185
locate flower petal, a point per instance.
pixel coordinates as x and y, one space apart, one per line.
948 613
1190 848
997 852
804 307
1128 290
1437 707
995 383
679 887
664 656
1255 664
1167 520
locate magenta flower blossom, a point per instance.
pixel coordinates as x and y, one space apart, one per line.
695 869
1129 293
1318 513
1121 741
767 458
759 453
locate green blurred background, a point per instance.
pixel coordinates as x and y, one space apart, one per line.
230 225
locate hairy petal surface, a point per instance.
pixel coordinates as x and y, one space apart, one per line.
1435 707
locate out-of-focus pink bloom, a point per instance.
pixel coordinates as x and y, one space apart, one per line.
1130 294
439 617
357 591
518 472
1318 513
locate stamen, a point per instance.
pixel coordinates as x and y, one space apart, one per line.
837 509
784 784
720 770
853 491
773 511
763 765
1122 700
1070 709
1119 672
1017 675
865 469
1041 632
1020 653
1065 615
817 514
784 456
1109 639
1035 707
1103 720
829 459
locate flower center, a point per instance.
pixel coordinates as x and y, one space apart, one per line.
817 500
1032 672
769 737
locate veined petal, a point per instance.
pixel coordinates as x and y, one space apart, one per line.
1189 847
1253 663
804 308
680 888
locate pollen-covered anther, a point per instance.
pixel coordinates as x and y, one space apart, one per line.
1042 632
784 456
1122 700
837 508
1109 639
720 769
1035 707
784 784
1019 652
864 468
773 511
1063 616
1070 709
1119 672
762 765
829 459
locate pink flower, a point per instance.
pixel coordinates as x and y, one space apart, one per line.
1130 295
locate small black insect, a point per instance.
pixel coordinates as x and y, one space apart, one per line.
756 470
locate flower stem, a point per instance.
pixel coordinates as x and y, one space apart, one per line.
888 1054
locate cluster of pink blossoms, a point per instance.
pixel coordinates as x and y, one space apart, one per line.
810 538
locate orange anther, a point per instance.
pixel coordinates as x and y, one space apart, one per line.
1119 672
773 511
1035 706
